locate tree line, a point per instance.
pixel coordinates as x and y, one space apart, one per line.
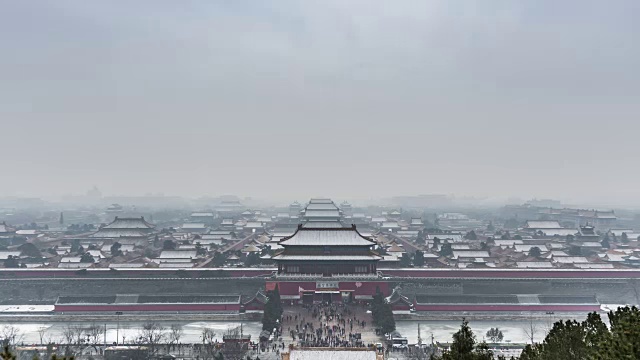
590 339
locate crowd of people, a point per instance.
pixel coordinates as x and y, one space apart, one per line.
325 325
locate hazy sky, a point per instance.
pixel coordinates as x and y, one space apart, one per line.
351 99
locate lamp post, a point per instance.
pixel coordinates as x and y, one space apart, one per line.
118 313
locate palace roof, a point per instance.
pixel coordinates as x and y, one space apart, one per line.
535 224
117 233
129 223
326 237
320 201
322 213
331 206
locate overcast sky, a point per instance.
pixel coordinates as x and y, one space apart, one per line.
350 99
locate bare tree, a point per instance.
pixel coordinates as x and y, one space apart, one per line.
73 334
152 334
234 350
11 335
208 336
175 333
95 333
41 331
68 333
530 329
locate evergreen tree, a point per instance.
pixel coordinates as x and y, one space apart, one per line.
446 250
251 259
382 314
405 260
436 241
605 243
418 259
115 249
535 252
495 335
11 262
465 347
591 339
168 245
471 235
490 227
86 258
624 238
272 310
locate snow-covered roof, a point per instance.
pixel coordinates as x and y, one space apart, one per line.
129 223
534 264
539 224
178 254
4 255
326 237
470 254
570 259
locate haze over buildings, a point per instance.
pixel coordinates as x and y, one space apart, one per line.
283 99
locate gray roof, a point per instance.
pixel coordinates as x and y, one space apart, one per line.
117 233
471 253
534 264
330 206
149 299
178 254
559 232
324 225
5 229
320 201
193 226
4 255
129 223
536 224
202 214
326 237
322 213
466 299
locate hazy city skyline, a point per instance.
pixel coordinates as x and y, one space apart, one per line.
285 99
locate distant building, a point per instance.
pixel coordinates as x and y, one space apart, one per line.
321 209
326 264
6 230
135 228
295 208
599 219
346 209
194 228
230 207
207 218
115 209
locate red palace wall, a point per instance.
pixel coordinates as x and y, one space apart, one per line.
480 307
359 288
253 272
148 307
512 274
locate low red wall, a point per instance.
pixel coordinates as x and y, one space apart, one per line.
512 274
480 307
148 307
